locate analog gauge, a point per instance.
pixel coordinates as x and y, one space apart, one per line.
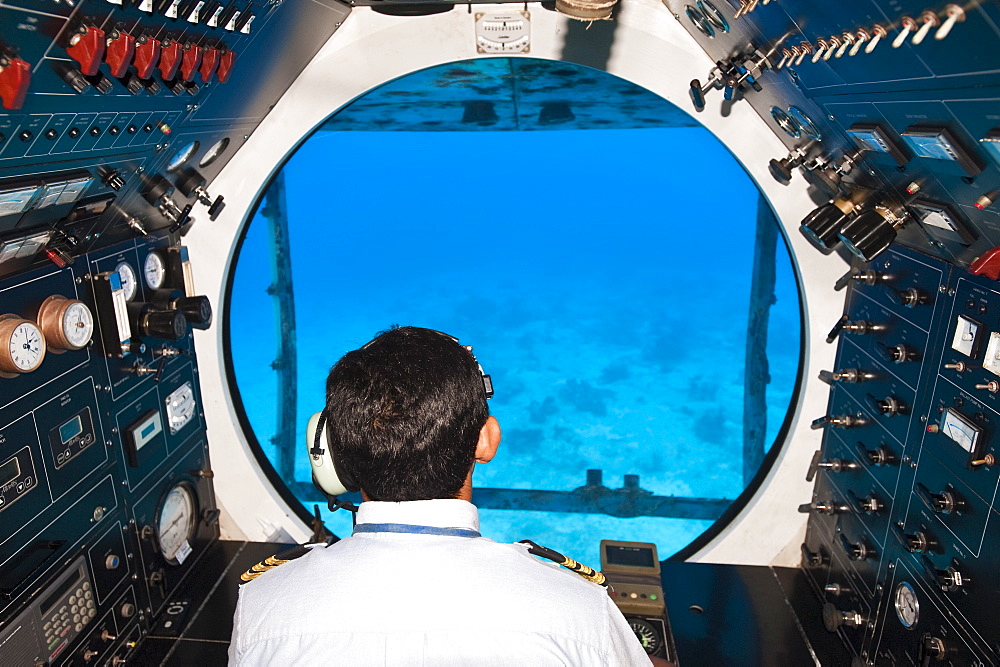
182 156
67 324
907 605
785 122
992 361
127 274
22 345
647 634
966 338
805 123
214 151
154 270
176 522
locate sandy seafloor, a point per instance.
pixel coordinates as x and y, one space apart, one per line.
602 277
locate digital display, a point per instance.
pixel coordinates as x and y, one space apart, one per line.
961 430
71 429
871 140
144 431
10 471
871 137
52 599
938 143
631 556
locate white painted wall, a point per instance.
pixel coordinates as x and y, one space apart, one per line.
652 50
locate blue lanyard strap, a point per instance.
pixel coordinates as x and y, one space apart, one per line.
420 530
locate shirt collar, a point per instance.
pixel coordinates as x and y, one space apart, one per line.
440 513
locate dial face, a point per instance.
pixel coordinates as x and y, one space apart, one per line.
78 324
214 151
646 634
154 270
176 522
907 605
992 361
26 347
127 275
181 157
966 337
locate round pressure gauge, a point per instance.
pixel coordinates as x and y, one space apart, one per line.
181 157
67 324
154 270
646 633
907 605
214 151
176 521
22 345
127 274
805 123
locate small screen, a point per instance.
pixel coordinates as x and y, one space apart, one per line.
59 592
71 429
633 556
870 140
935 146
9 471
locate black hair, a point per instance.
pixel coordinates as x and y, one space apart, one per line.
404 414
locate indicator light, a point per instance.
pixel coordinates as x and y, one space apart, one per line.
163 127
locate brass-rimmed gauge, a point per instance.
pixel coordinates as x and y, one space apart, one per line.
907 605
22 345
67 324
127 274
646 633
154 270
176 521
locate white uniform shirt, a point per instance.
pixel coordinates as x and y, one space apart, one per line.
384 598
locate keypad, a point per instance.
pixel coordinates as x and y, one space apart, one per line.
78 610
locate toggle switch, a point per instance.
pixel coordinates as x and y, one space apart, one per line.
880 456
908 298
86 47
878 33
821 46
15 76
898 354
992 386
906 26
959 366
833 465
846 40
950 579
209 63
946 502
226 61
190 61
954 14
805 48
119 52
928 20
835 44
890 406
823 507
860 37
147 55
918 543
170 59
846 375
860 550
838 421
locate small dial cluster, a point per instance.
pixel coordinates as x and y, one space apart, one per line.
60 324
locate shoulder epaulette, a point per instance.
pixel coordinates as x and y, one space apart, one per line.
588 573
272 562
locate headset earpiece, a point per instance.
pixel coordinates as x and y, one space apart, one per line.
329 477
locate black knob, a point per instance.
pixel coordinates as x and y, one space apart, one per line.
697 97
188 180
879 456
867 235
898 353
908 297
822 225
197 310
916 543
166 324
833 618
155 188
889 406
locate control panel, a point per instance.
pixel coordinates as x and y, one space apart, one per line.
904 507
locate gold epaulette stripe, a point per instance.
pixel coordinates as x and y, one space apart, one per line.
274 560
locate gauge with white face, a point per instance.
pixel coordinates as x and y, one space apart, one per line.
907 605
127 274
154 270
176 522
67 324
22 345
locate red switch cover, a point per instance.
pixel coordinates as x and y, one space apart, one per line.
86 47
209 63
15 75
226 61
170 59
190 62
121 49
147 55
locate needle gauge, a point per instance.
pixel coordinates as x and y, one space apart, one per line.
175 523
154 270
67 324
907 605
646 634
127 274
22 345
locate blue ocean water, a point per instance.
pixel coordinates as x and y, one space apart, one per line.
602 277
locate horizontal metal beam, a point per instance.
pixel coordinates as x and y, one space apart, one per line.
627 502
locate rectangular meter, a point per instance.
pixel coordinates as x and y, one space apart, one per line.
962 431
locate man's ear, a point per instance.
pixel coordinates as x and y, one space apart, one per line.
489 440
